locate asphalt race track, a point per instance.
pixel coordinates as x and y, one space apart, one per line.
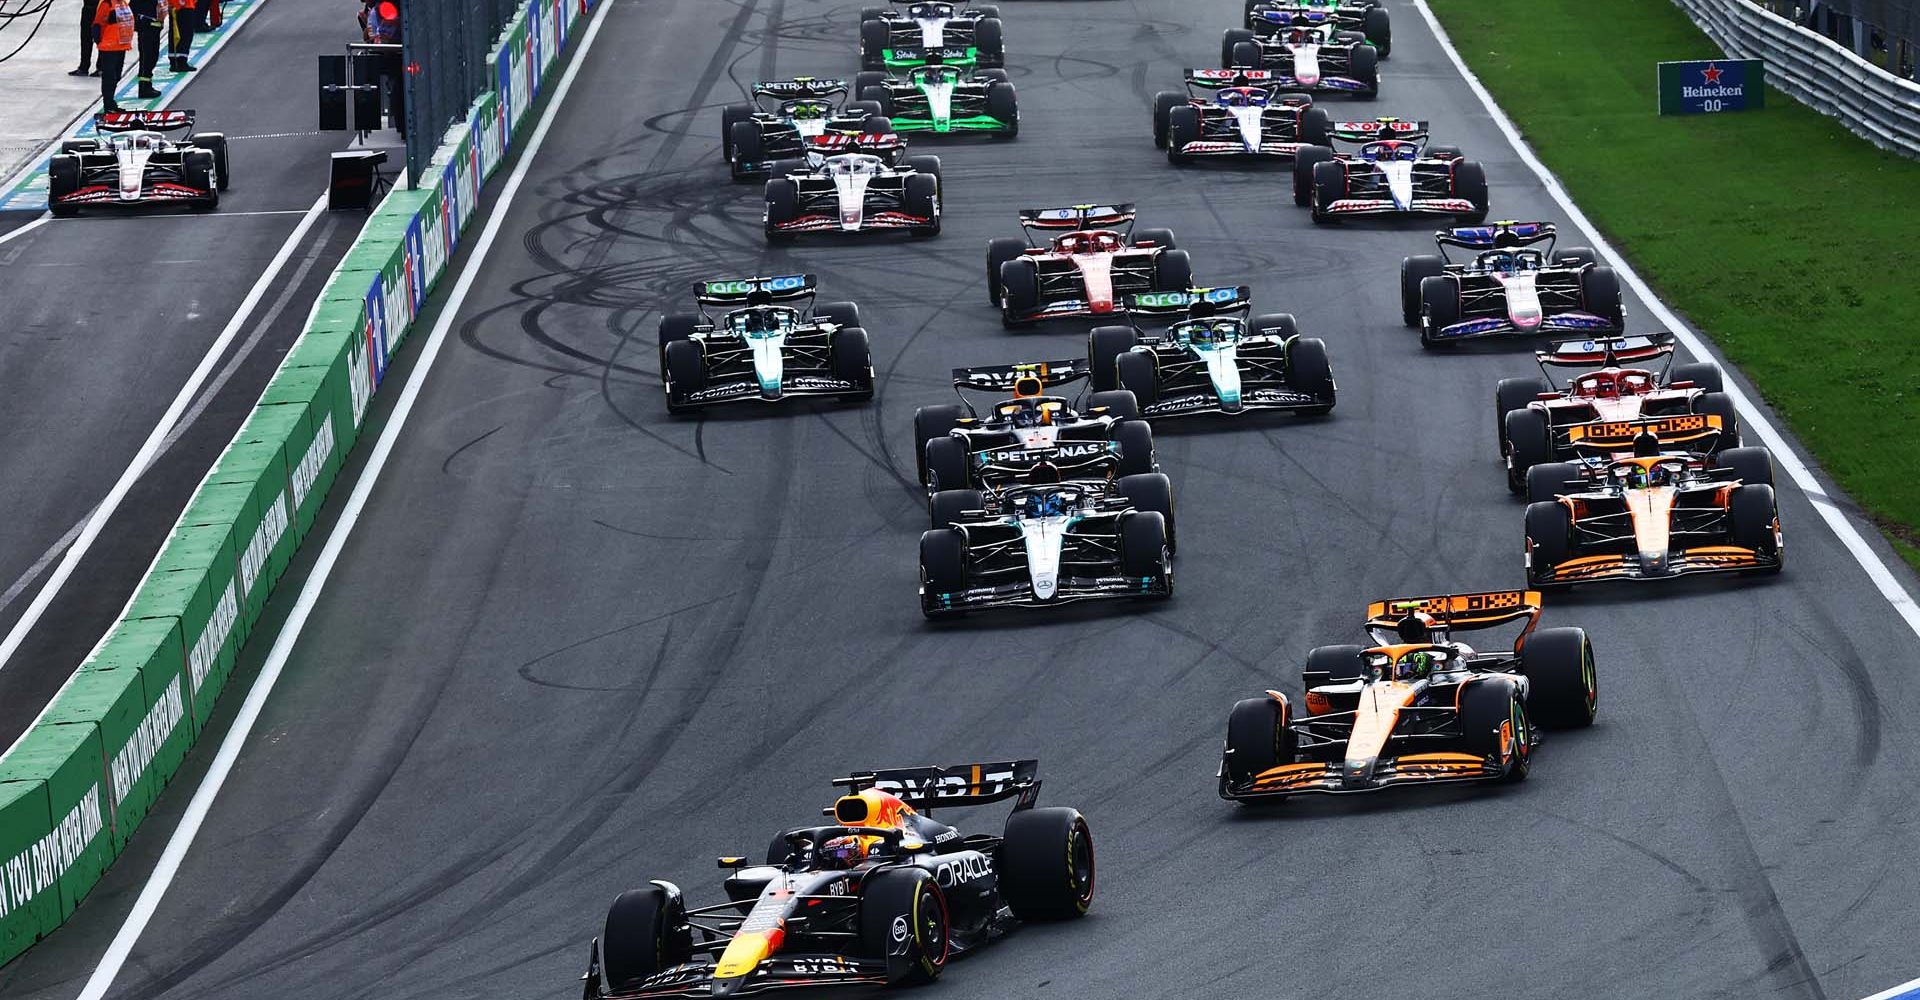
575 644
110 311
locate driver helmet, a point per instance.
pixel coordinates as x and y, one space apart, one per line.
1414 666
849 850
1047 504
760 319
1200 333
1659 475
1032 416
1636 477
1415 627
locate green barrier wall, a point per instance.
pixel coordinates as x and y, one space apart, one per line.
76 785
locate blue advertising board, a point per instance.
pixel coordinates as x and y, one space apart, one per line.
1710 86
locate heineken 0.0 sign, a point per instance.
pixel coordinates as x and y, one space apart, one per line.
1711 86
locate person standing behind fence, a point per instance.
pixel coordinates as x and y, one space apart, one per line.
113 36
186 21
148 20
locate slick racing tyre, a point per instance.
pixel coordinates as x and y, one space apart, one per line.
1163 104
1152 491
1576 257
1494 723
1414 270
745 143
730 116
215 143
873 44
1564 689
1003 106
783 206
922 198
988 39
1378 27
944 509
1364 66
1512 394
1304 160
984 9
1230 42
851 357
1600 293
1316 127
1549 481
1001 249
943 567
197 172
1470 185
1549 541
946 460
1104 347
1332 665
646 932
1172 271
1719 404
1281 325
1257 738
929 165
1754 516
930 422
1160 237
1751 465
1705 376
1019 291
904 920
686 369
1439 308
1329 186
880 100
1135 438
1529 443
1443 152
79 145
1137 373
1143 548
1118 402
1246 55
63 178
1183 127
678 327
1045 864
1310 372
838 313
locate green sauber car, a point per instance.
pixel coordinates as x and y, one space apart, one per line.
944 99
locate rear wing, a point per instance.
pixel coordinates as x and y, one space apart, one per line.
1282 15
743 291
1022 380
1381 128
1180 303
800 87
1497 235
1461 612
834 143
954 785
1074 217
142 121
1618 435
1607 352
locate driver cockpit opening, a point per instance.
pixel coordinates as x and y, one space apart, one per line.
1511 261
761 319
1647 473
1242 97
1088 241
935 75
1612 383
1031 411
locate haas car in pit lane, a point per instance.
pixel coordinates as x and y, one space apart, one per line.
1391 172
1307 51
132 161
1417 706
1655 515
945 99
1086 270
1508 288
1210 361
854 184
917 33
884 895
781 119
773 344
1599 413
1234 112
1368 17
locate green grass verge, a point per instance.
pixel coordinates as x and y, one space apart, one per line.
1787 239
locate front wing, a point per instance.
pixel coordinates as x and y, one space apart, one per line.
748 387
695 979
1019 594
1575 322
1627 566
1324 778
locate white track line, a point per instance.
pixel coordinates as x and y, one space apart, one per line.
203 797
151 447
1750 413
1900 992
14 234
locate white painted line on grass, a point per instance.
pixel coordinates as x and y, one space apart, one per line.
151 446
1750 412
203 797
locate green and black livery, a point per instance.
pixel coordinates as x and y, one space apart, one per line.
944 100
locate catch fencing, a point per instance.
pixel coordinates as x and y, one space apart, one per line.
1817 71
446 54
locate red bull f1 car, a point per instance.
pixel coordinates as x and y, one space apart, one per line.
885 895
1417 706
917 33
134 161
1212 360
783 117
1599 413
1511 287
1307 51
772 343
854 184
1272 17
1086 270
945 99
1234 112
1653 516
1391 171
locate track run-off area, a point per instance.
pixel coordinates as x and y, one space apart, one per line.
564 643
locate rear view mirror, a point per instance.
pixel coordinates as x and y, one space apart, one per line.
733 862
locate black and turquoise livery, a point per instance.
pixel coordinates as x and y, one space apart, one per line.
912 33
944 99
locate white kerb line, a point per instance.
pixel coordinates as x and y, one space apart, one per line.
151 446
203 797
1755 418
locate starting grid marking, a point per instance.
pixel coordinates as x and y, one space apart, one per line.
27 192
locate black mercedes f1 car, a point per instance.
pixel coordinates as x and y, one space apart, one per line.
772 343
